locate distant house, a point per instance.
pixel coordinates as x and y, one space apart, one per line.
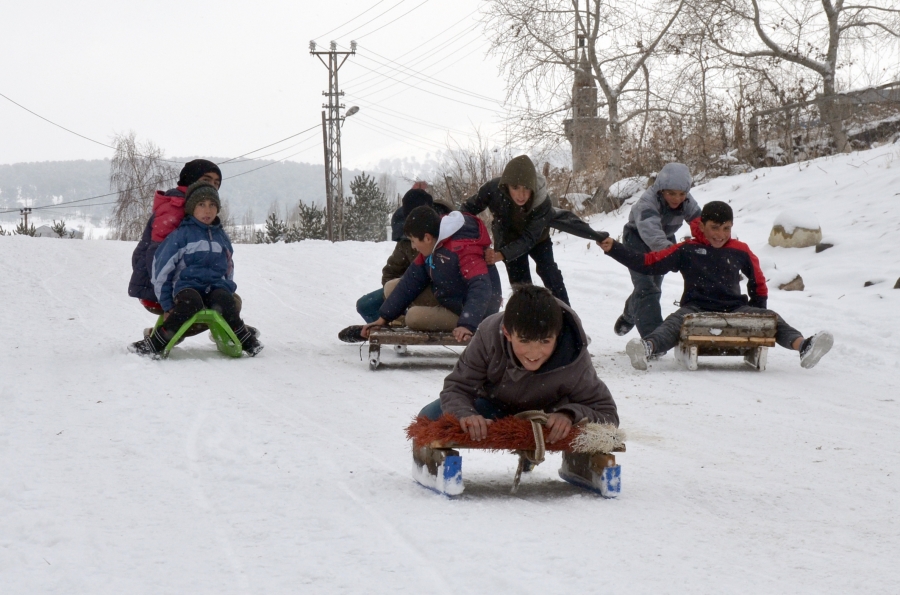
44 231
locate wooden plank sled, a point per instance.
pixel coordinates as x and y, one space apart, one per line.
400 338
437 462
720 333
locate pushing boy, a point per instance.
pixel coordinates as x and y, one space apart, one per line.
531 356
711 265
193 270
652 223
450 259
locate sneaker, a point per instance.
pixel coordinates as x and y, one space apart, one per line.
352 334
151 346
639 351
249 343
813 348
622 327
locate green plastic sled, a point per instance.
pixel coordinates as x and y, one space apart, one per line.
224 337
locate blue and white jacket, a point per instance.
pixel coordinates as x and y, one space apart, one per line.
194 256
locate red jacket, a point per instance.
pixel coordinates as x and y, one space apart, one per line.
168 211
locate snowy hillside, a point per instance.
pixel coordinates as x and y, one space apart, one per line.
290 473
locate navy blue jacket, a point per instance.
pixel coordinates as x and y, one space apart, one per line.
712 276
461 280
194 256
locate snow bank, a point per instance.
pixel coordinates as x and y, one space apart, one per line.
790 220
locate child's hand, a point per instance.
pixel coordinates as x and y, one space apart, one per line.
559 425
462 334
476 426
492 256
365 329
606 244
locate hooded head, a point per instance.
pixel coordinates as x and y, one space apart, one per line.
415 198
194 170
520 171
200 191
674 176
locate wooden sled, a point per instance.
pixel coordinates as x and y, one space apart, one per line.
437 462
716 333
224 337
400 338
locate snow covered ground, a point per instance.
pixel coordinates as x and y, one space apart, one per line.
290 473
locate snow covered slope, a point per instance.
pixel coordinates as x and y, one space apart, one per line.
290 473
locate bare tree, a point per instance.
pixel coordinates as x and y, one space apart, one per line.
534 40
135 172
813 34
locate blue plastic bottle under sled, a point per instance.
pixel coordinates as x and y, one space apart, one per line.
225 339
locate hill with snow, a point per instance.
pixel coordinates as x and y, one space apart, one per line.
290 472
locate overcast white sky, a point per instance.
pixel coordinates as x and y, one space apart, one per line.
221 79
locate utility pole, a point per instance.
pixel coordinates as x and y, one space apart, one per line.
25 212
331 128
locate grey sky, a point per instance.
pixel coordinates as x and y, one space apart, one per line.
221 79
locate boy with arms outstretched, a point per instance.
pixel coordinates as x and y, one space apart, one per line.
451 259
532 356
711 266
193 270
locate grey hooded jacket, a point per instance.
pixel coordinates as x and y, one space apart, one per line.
488 369
652 218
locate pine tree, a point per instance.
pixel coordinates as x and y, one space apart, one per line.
366 213
312 222
275 229
25 231
59 228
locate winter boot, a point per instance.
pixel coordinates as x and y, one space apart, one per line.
813 348
249 342
153 346
352 334
639 351
622 327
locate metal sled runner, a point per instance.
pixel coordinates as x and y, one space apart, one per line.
714 333
403 337
225 339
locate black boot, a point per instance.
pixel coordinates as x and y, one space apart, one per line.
249 342
152 346
352 334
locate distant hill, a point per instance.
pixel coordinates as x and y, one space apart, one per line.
49 182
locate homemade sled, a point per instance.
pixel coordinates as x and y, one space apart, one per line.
400 338
716 333
587 459
224 337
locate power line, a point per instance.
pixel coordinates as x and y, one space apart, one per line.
388 23
356 17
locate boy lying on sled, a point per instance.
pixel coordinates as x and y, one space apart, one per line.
711 266
532 356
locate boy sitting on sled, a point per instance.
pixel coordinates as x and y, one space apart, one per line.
711 266
532 356
193 270
451 259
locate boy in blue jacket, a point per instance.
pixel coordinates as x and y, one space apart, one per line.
451 259
193 270
711 265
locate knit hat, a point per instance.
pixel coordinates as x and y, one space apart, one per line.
200 191
415 198
520 171
194 170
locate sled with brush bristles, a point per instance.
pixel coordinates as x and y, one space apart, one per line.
224 337
715 333
587 452
401 338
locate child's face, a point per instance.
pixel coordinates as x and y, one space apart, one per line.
531 354
425 246
205 212
674 198
718 234
211 177
519 194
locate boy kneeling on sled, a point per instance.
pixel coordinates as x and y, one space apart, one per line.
193 270
451 259
532 356
711 266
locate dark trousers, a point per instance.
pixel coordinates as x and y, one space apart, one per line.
542 255
666 336
369 305
190 301
642 307
485 409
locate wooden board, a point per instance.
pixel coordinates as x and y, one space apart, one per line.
715 325
406 336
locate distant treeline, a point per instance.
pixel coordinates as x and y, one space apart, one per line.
48 182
